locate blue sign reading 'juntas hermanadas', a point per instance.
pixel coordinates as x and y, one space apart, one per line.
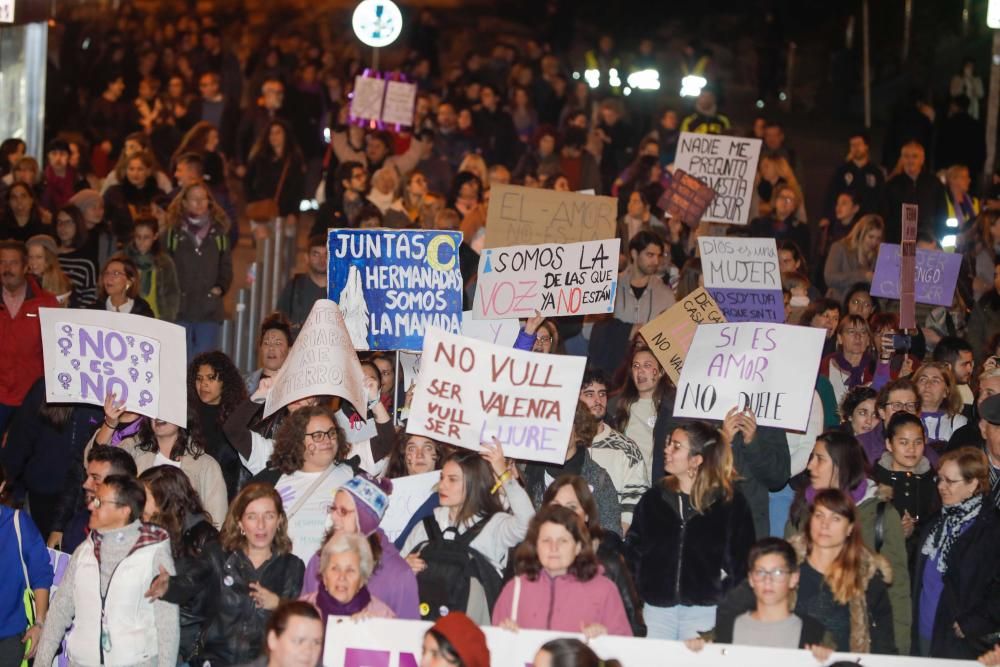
392 284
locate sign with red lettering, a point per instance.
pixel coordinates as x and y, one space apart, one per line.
554 279
470 391
769 368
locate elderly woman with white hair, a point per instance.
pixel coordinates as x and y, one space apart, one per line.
346 564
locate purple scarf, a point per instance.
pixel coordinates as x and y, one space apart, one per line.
329 606
857 373
857 493
125 432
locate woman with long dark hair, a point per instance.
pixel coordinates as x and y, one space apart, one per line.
174 505
637 406
22 217
690 534
77 253
569 652
215 389
276 170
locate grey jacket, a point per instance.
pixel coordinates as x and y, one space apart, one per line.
655 299
199 269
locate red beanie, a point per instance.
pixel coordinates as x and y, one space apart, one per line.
465 637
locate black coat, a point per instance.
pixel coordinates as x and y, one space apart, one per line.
971 593
236 633
139 307
610 557
194 586
692 561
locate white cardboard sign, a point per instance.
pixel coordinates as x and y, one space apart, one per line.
728 165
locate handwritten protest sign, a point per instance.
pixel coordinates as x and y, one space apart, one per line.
500 332
554 279
391 284
90 353
743 277
470 391
408 494
366 102
532 216
935 275
400 98
685 198
728 165
669 335
321 362
770 368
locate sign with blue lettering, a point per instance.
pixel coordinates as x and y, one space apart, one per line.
392 284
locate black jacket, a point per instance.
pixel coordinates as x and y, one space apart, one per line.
194 587
139 307
236 633
610 557
971 593
693 560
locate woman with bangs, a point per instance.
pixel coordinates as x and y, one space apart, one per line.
940 404
853 364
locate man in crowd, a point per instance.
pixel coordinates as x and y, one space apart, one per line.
496 129
61 181
616 453
913 185
301 292
957 353
213 107
269 107
989 426
116 625
20 332
858 175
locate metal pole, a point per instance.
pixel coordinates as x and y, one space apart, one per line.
240 329
866 65
375 59
226 338
264 277
277 279
907 22
253 320
993 107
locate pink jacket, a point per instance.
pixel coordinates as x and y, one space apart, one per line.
376 608
563 603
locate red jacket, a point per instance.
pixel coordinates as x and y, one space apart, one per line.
21 344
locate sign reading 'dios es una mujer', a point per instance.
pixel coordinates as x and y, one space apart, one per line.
554 279
768 368
92 353
743 276
392 284
469 392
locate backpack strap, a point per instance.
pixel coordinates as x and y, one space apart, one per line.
466 538
880 526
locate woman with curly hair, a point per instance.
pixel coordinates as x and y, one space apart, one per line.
198 242
306 466
215 389
258 572
558 585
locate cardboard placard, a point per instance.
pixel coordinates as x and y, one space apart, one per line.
89 353
400 98
555 279
366 102
669 336
532 216
322 361
392 284
686 198
770 368
470 391
744 278
934 275
727 165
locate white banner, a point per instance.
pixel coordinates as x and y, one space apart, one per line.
499 332
770 368
400 98
321 362
470 391
728 165
366 101
395 643
408 494
90 353
554 279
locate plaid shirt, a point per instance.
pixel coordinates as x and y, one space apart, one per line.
148 534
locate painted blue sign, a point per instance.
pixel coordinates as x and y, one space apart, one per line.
392 284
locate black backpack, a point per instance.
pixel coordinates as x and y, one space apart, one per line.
446 583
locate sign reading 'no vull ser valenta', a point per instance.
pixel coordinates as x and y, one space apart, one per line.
392 284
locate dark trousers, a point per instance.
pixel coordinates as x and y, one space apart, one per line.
11 651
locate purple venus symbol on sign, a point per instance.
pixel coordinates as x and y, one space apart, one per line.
145 398
76 364
131 340
67 329
147 350
134 359
65 344
149 376
133 373
64 380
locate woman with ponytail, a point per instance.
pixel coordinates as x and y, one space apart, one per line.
690 535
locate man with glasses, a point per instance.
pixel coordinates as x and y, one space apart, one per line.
20 332
300 293
102 594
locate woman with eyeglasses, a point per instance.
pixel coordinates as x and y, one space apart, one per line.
898 395
690 535
838 463
258 573
955 587
940 403
357 509
305 465
118 289
853 364
156 442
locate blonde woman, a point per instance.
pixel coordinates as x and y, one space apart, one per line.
940 401
43 263
774 172
475 164
852 259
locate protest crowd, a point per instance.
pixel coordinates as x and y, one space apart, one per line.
830 482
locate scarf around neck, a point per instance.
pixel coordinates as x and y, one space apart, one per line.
856 374
857 493
329 606
949 528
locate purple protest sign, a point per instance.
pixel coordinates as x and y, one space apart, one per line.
743 305
936 275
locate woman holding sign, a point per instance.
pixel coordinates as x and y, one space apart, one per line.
690 535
